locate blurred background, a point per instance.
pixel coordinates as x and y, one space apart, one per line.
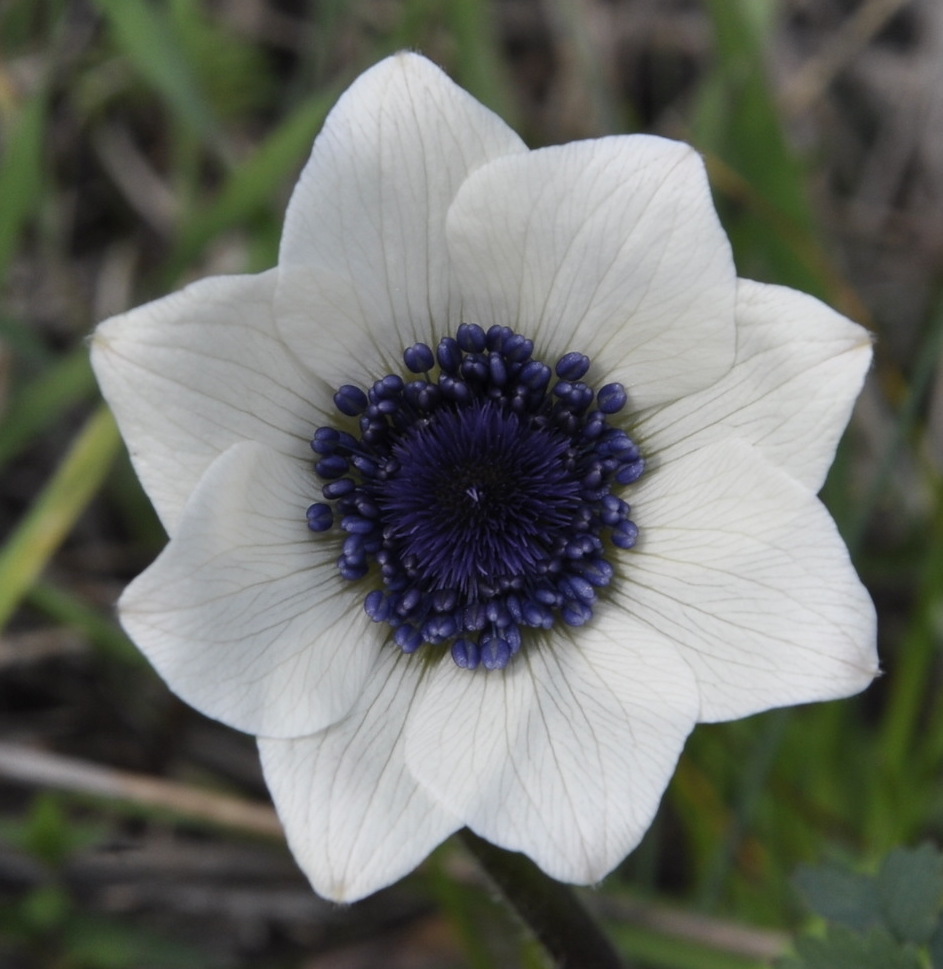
144 143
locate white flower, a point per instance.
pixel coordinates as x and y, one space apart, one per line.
420 211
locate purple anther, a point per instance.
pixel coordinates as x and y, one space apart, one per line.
612 398
320 517
350 400
572 366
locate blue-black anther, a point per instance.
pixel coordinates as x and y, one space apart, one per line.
332 466
338 488
513 638
625 534
598 572
387 387
325 440
495 652
466 654
496 336
517 348
439 628
612 398
419 358
320 517
376 605
449 354
572 366
357 525
471 337
475 367
535 375
576 613
497 370
407 638
350 400
455 390
351 570
631 472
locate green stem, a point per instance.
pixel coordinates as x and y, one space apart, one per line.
53 514
551 910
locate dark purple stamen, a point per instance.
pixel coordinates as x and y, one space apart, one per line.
479 494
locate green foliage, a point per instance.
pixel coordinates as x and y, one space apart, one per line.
48 835
47 919
889 920
250 188
148 37
844 949
96 943
21 173
840 895
910 890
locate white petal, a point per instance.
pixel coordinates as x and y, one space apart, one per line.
611 248
243 613
370 206
328 320
566 754
191 374
800 366
744 569
355 818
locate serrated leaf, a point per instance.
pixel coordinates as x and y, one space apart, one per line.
910 888
936 945
840 895
844 949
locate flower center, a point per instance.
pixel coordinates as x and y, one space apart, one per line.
476 500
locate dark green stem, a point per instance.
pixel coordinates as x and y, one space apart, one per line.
551 910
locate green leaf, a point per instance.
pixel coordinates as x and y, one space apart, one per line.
252 184
54 513
47 835
771 227
936 945
43 401
844 949
910 888
102 631
148 39
44 909
100 943
840 895
21 173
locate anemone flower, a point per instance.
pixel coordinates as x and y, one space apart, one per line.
560 507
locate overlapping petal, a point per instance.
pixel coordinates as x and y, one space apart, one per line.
193 373
419 209
370 209
355 817
609 247
243 614
799 368
565 755
742 567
